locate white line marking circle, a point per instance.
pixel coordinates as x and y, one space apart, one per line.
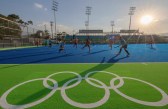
162 102
109 87
85 105
6 105
71 86
79 78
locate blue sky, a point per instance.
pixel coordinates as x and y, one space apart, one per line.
71 13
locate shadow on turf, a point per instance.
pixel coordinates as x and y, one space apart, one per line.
23 56
112 60
36 96
95 52
41 60
98 67
38 61
10 66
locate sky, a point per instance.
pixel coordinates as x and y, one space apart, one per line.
71 14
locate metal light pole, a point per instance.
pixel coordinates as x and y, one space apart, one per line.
88 13
131 13
86 24
55 9
112 25
51 24
45 28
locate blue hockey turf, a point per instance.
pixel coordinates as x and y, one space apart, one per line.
99 54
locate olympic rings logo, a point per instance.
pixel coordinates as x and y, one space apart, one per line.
6 105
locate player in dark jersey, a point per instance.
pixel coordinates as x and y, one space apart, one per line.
87 44
75 42
123 45
61 48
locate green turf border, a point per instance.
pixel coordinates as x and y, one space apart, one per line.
12 48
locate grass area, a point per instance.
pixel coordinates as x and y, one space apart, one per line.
154 73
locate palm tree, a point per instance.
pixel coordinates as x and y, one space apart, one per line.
21 21
30 22
26 25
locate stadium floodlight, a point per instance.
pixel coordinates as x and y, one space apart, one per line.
88 13
55 9
133 8
112 25
131 13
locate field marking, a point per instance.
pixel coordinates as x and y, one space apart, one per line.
144 63
92 63
6 105
85 105
16 48
79 78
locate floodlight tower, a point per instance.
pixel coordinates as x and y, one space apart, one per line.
88 13
55 9
131 13
112 25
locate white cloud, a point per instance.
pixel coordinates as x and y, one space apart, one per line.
40 6
37 5
64 28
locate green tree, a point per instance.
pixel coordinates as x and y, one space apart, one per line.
30 22
26 25
21 21
14 17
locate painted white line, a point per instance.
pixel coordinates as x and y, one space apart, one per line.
89 80
94 63
144 63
